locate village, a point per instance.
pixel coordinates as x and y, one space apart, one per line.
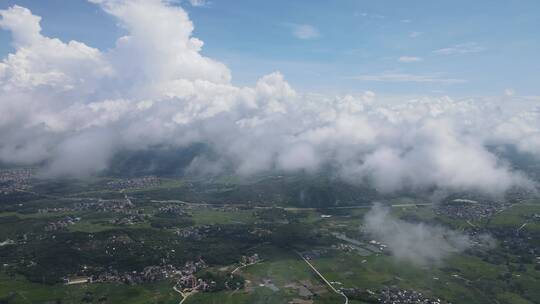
148 274
467 209
13 180
186 278
134 183
394 295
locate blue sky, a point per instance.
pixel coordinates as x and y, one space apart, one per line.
458 48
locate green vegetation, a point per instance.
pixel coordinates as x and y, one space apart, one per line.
516 216
180 220
18 290
205 216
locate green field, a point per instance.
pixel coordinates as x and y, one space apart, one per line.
19 291
516 216
205 216
280 272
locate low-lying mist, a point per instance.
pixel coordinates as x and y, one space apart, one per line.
417 243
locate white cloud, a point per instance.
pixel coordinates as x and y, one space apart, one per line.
305 31
460 49
521 130
45 62
409 59
404 77
432 159
23 25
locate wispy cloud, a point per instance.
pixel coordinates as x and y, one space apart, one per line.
369 15
360 14
199 3
414 34
404 77
305 31
459 49
408 59
509 92
418 243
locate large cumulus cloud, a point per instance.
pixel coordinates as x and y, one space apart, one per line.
74 106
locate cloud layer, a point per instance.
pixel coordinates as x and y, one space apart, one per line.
73 106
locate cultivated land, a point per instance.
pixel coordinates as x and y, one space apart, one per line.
120 240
